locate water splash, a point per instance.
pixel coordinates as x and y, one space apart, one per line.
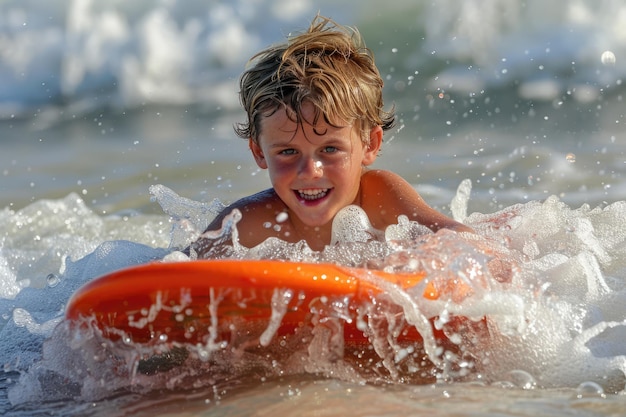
539 287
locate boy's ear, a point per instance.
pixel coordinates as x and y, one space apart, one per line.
376 140
258 154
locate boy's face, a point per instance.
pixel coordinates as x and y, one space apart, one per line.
316 171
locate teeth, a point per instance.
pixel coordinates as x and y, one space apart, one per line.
313 193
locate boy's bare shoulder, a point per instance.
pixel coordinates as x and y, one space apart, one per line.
382 182
257 210
385 195
379 175
264 197
256 206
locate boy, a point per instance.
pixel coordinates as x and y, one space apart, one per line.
315 121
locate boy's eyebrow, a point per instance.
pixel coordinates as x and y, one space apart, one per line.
327 141
280 144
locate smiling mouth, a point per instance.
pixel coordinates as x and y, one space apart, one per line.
313 193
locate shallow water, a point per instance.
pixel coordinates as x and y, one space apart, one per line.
304 398
520 99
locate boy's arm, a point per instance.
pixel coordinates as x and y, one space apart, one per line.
390 195
386 195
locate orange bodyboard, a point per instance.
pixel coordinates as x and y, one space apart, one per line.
206 301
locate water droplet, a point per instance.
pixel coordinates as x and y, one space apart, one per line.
607 58
522 379
589 389
52 280
570 157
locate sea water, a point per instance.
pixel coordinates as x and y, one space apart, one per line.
117 148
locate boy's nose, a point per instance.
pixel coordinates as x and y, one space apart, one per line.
311 168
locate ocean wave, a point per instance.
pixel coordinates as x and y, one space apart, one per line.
86 55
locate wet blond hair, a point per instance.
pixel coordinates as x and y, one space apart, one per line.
327 66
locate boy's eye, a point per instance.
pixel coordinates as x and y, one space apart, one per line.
330 149
288 152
